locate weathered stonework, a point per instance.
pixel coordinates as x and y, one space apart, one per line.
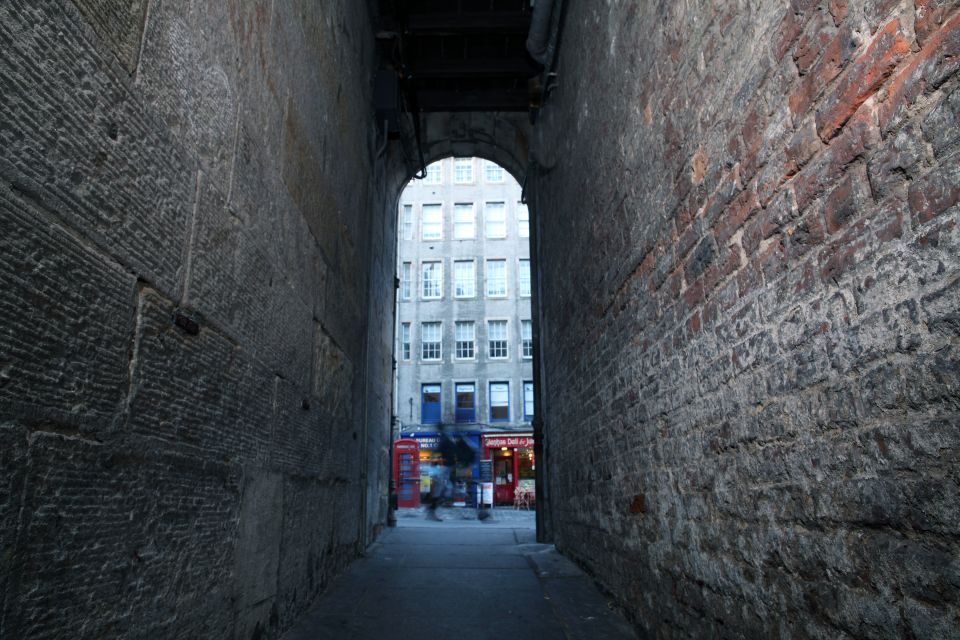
193 432
745 247
750 255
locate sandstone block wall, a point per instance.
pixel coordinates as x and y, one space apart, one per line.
749 285
193 340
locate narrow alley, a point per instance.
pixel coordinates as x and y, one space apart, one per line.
466 579
738 339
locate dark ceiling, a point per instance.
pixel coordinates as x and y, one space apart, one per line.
458 55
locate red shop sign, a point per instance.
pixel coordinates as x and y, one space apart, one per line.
508 441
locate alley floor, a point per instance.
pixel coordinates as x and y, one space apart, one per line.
465 579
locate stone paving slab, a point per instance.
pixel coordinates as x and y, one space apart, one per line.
464 579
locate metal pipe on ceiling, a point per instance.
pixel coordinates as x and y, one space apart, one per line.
538 39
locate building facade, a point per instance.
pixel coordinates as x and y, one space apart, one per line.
464 333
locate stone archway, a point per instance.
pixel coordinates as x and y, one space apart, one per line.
503 138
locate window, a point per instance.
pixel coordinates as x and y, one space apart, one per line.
493 171
432 278
430 406
495 218
405 341
465 336
526 339
432 228
463 170
464 278
499 401
523 220
406 229
464 222
430 341
406 281
497 339
433 173
466 409
528 401
496 278
524 277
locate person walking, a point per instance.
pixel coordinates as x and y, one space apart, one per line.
441 481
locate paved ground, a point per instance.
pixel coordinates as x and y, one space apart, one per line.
462 579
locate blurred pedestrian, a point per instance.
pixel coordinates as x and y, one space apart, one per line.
441 481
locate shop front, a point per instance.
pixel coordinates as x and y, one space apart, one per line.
513 467
429 454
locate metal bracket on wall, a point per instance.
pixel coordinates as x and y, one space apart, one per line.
186 323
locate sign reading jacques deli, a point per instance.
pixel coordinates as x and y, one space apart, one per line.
525 440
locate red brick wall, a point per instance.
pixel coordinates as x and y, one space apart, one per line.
749 271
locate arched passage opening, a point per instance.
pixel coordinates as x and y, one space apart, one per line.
502 139
749 274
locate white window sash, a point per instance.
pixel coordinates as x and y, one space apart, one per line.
431 224
431 274
465 279
464 222
496 278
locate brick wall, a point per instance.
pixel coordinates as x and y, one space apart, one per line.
749 273
212 162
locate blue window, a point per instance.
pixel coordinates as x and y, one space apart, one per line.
466 402
430 406
499 402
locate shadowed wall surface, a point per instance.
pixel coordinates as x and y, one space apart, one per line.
745 252
197 282
749 276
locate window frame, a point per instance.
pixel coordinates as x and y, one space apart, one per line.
520 293
406 280
487 164
456 179
406 222
406 341
506 340
473 262
459 207
456 340
487 279
439 341
523 224
438 174
456 401
490 404
524 340
486 220
439 280
423 222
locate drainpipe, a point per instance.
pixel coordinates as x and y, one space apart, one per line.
541 440
538 39
546 24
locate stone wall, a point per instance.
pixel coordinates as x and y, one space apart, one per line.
197 285
749 276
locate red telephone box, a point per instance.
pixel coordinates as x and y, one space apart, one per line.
406 472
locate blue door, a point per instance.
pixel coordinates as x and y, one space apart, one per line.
430 407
